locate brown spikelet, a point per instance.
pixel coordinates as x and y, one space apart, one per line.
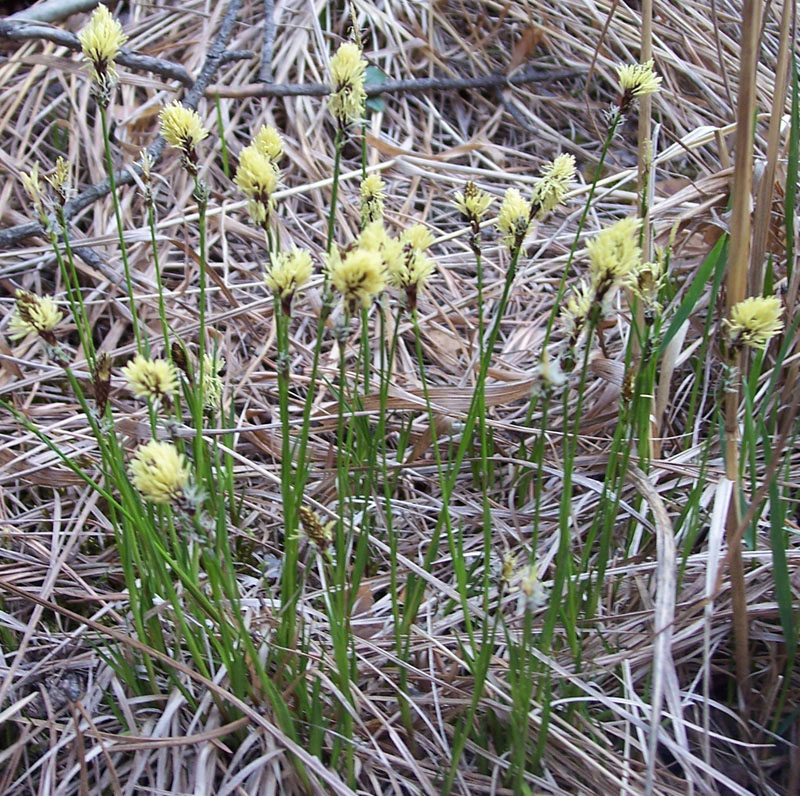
179 357
101 380
314 529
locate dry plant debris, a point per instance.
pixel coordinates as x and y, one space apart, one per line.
395 628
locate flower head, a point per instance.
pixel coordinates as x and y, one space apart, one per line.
59 180
347 78
418 237
373 237
183 129
408 266
646 282
287 274
553 185
358 276
575 312
371 199
318 533
257 177
473 204
636 80
533 594
154 379
514 219
268 142
614 254
33 187
755 321
549 376
101 381
101 40
34 315
213 364
159 471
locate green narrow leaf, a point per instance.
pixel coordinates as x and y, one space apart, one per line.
716 259
780 568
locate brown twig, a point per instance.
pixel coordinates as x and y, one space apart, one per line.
265 70
530 75
18 30
736 280
54 10
215 58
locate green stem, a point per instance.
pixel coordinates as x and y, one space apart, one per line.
140 345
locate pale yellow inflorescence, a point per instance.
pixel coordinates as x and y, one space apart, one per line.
213 364
409 267
181 127
319 533
257 177
418 236
514 218
614 254
638 80
268 142
371 199
289 272
33 187
755 321
60 179
472 203
646 282
151 378
33 315
101 40
551 188
575 312
347 83
358 276
159 471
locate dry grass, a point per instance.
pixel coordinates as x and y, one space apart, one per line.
56 538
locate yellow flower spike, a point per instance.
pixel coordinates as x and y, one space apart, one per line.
614 254
636 80
183 129
358 276
257 177
755 321
288 273
33 187
645 282
553 185
373 237
318 533
371 199
514 218
473 203
101 40
509 565
268 142
60 179
533 594
575 312
394 254
159 471
411 270
34 315
155 379
347 84
418 236
213 364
